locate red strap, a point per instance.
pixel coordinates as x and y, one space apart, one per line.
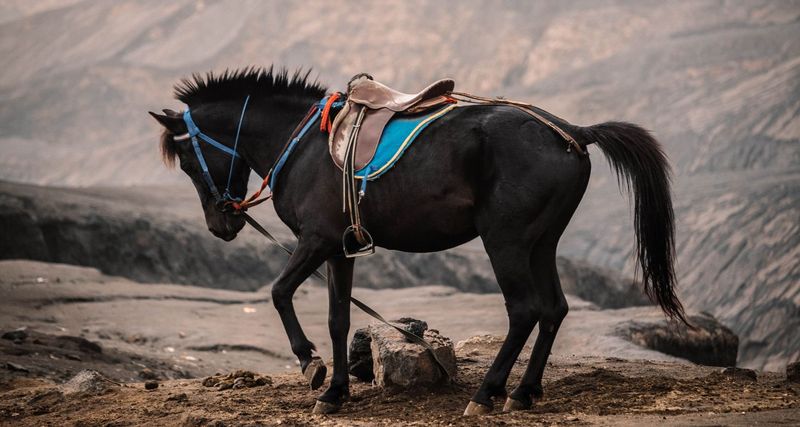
325 124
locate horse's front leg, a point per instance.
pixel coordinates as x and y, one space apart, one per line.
305 259
340 282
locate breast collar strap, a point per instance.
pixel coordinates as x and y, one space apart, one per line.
302 129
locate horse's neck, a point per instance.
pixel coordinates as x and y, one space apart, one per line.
278 122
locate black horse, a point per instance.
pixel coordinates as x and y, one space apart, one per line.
484 170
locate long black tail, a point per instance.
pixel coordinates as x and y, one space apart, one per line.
638 158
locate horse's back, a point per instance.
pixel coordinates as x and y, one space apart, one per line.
477 161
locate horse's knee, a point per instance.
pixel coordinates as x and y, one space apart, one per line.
281 297
523 316
552 317
561 310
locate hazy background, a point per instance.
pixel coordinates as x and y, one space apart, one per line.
718 82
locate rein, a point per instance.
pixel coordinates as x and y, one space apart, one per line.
320 109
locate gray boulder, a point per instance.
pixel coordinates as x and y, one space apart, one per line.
399 363
89 382
708 343
381 353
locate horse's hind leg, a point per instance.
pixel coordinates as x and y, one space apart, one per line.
553 310
509 254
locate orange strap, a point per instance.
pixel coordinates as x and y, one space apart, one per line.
325 124
251 201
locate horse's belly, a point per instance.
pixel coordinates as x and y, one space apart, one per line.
423 227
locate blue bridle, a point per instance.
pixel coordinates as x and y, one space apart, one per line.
195 134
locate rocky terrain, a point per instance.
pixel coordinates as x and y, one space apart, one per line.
128 232
205 330
717 82
151 344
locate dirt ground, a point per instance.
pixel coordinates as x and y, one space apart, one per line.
76 318
578 391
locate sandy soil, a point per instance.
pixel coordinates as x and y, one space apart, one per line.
578 391
203 331
77 318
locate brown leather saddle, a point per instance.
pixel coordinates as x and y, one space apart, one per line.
356 132
379 104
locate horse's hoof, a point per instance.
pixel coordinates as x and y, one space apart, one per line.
325 408
515 405
315 373
475 408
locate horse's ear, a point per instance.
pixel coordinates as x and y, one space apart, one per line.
173 123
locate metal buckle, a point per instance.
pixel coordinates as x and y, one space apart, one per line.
352 247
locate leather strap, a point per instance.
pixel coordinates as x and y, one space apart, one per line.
363 307
524 107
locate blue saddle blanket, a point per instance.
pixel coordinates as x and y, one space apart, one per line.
397 136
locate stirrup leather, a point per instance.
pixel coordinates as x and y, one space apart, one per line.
356 240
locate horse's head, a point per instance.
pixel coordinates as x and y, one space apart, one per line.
222 182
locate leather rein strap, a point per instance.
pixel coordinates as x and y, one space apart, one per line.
365 308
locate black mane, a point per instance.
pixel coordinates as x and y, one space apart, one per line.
253 81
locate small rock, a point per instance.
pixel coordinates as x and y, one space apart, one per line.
16 368
17 335
148 374
210 381
180 397
262 381
793 372
241 374
243 382
151 385
236 380
88 381
487 345
72 357
740 373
